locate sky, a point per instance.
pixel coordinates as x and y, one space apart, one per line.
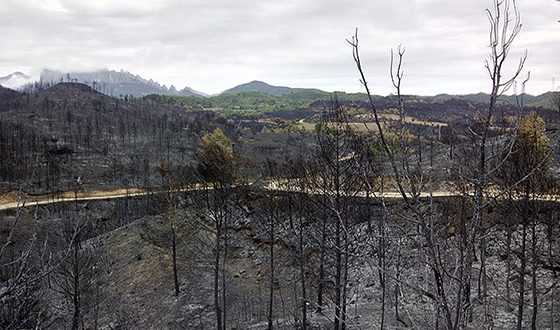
212 45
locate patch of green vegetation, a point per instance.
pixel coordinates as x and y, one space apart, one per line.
250 104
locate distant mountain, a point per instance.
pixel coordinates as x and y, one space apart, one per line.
187 91
116 83
71 91
550 100
15 80
262 87
545 100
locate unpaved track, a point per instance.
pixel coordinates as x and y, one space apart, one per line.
11 202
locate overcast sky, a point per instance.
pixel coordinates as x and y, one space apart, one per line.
212 45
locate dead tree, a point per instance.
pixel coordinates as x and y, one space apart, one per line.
272 219
408 176
171 217
525 172
75 274
301 251
411 177
25 263
504 29
336 180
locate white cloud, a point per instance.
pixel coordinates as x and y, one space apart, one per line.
214 44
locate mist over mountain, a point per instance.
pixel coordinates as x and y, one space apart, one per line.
122 83
116 83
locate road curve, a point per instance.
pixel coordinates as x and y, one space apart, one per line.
70 196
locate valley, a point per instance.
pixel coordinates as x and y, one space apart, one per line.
316 176
126 176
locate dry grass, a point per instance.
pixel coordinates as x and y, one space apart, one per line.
411 120
367 126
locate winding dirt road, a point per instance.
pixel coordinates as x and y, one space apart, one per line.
13 201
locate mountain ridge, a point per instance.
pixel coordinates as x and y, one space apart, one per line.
263 87
545 100
15 80
116 83
122 83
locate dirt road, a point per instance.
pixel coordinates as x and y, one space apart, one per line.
13 200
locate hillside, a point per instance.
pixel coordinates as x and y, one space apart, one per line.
262 87
7 93
71 130
70 140
545 100
7 98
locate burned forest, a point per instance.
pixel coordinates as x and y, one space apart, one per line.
127 204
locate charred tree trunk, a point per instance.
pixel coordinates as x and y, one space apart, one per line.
174 253
534 274
217 307
224 264
508 266
523 266
320 288
271 284
550 256
76 296
338 278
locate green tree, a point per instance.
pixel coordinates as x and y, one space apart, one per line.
216 158
526 173
527 166
216 165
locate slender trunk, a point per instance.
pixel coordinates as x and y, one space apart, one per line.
508 267
76 297
224 261
398 287
534 274
302 274
320 288
303 290
174 248
96 306
368 210
383 295
217 307
380 247
381 261
271 288
438 275
523 266
338 278
553 292
76 270
338 239
483 296
521 301
464 314
345 282
482 273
